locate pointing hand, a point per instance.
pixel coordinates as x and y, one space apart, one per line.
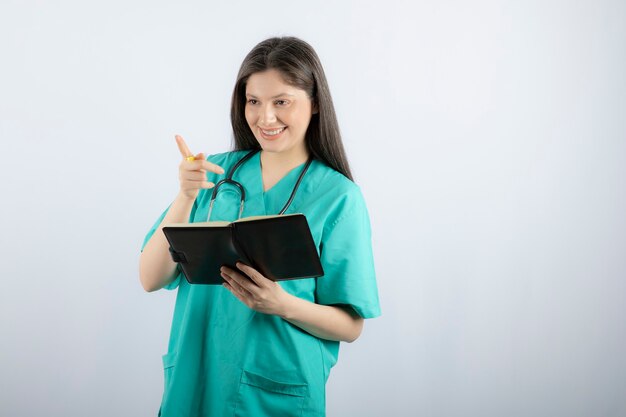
192 170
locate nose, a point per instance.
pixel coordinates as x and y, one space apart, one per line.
268 116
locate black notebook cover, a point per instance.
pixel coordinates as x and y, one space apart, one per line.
279 247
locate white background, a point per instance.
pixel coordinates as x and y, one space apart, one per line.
488 137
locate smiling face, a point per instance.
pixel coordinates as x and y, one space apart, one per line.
277 113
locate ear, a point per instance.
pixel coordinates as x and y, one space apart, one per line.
314 109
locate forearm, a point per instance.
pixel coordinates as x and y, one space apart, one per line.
325 322
156 268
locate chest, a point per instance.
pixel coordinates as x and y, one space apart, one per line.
271 178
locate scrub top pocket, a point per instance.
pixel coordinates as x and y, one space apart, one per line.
169 360
260 397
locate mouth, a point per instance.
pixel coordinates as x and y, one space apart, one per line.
272 134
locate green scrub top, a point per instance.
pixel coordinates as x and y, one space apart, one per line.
225 359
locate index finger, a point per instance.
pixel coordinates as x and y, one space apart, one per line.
182 147
254 275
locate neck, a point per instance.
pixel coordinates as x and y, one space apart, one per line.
283 161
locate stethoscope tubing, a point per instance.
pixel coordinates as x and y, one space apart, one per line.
242 191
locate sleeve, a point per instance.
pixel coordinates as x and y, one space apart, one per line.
346 255
174 284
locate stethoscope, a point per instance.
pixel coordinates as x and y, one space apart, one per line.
242 191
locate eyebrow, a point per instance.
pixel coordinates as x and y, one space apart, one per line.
276 96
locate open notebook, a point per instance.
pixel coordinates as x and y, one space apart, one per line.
279 247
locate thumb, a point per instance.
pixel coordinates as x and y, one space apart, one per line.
200 156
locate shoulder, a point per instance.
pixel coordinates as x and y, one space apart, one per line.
226 158
335 179
340 195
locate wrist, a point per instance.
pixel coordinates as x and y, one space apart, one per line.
185 199
288 306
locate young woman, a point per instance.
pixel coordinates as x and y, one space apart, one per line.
256 347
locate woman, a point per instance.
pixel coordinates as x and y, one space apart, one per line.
255 347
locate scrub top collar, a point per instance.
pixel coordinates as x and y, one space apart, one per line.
250 175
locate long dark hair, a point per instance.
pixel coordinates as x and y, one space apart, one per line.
300 67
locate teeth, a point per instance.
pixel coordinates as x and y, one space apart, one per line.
273 132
